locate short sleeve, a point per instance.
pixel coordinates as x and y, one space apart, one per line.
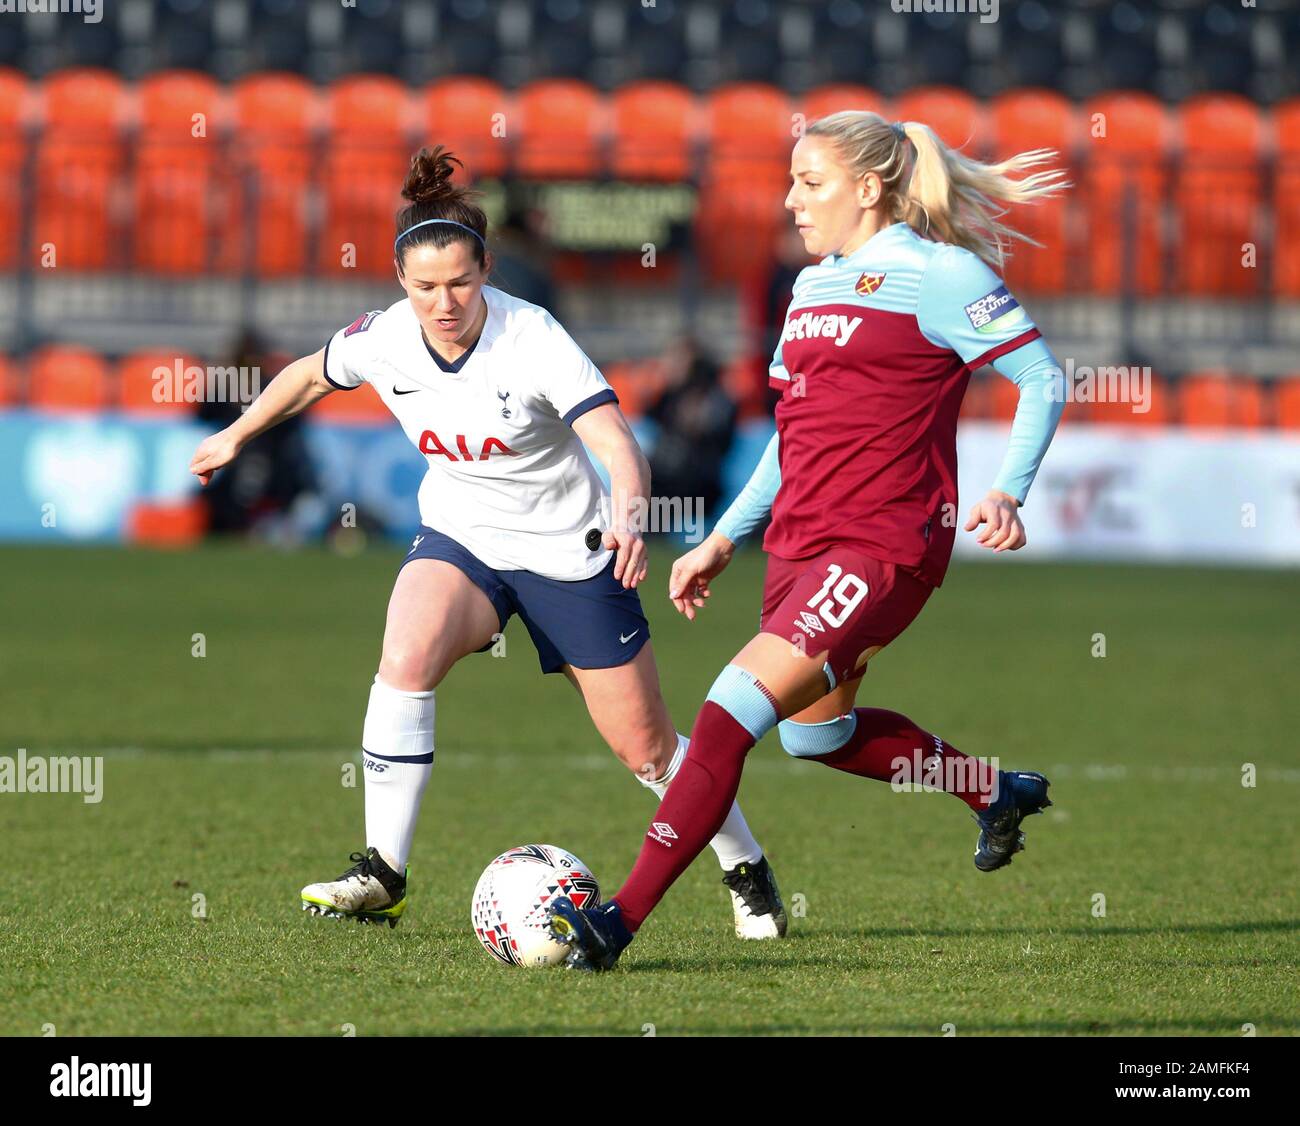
568 379
349 352
965 307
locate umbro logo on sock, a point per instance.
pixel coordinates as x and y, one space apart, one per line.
662 832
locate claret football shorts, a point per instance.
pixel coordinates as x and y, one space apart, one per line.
840 601
593 623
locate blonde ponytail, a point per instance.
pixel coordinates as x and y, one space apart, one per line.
936 190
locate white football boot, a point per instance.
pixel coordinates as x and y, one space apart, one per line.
370 892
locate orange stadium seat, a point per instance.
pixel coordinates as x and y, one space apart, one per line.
1123 189
180 105
1217 399
65 378
16 103
562 126
825 100
80 164
1160 408
748 121
275 117
749 135
1038 119
361 405
473 118
367 159
1286 402
177 196
1218 195
369 106
958 118
655 125
85 100
275 105
1286 199
136 383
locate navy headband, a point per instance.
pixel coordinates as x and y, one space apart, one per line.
428 221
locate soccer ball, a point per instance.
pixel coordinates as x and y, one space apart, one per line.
511 898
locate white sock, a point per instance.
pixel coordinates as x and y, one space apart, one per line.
397 758
734 843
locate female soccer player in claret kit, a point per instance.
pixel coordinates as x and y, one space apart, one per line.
861 481
500 400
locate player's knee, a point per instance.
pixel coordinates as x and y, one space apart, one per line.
811 740
409 670
643 751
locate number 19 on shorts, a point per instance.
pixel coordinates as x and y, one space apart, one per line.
838 596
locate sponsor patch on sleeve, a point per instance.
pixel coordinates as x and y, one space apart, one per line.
362 323
988 313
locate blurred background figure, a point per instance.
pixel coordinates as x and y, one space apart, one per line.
696 421
523 255
270 491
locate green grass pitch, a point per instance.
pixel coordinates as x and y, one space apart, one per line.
223 779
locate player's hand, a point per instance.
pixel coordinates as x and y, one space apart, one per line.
630 564
1003 531
688 585
214 452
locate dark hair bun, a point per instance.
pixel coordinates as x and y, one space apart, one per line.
429 178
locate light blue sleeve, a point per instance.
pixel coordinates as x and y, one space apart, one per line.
1033 369
755 500
964 306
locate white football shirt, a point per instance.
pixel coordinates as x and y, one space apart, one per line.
507 476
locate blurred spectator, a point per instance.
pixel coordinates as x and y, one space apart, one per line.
522 255
270 488
696 421
766 299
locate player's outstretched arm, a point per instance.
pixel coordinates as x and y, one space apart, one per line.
1033 369
299 385
688 585
606 433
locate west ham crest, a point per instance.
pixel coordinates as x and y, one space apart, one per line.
869 283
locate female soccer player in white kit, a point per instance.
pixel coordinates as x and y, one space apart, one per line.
514 519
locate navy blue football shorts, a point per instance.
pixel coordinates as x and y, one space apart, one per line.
593 623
